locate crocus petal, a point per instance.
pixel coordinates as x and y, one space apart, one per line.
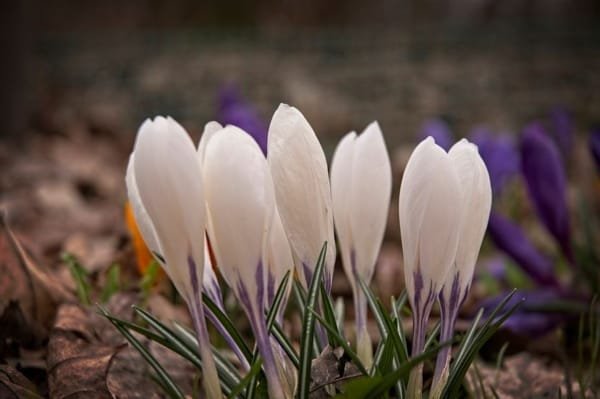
341 180
437 129
526 321
210 283
430 211
142 219
279 260
210 129
234 164
476 199
370 193
500 155
595 147
544 174
234 110
561 125
511 239
302 191
169 181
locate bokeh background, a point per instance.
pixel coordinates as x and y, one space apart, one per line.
343 63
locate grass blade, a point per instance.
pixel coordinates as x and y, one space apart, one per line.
165 379
308 328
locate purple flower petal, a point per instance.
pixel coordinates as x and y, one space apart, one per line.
500 155
439 130
512 240
234 110
595 147
543 170
526 320
561 126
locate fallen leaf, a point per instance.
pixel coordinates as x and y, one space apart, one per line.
15 385
37 291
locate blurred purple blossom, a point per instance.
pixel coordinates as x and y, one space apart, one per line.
509 238
529 319
544 173
233 109
561 126
496 266
500 155
595 147
439 130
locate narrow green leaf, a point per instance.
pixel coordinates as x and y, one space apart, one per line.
271 315
223 365
229 326
80 276
377 386
308 328
339 340
287 346
254 370
165 379
113 283
329 313
472 343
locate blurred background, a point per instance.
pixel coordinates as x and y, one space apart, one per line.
518 77
343 63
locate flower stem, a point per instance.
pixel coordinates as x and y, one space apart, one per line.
363 340
448 319
228 338
420 318
211 378
274 380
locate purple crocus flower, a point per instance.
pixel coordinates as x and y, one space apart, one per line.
509 238
543 170
595 147
561 126
439 130
500 155
233 109
528 320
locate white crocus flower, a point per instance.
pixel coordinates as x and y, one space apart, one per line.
430 211
476 199
164 184
361 185
279 262
239 198
302 191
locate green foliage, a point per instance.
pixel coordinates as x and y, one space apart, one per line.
386 378
113 283
80 276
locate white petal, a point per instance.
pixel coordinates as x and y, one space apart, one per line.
139 211
476 198
169 182
370 198
280 259
341 187
210 129
302 191
240 200
429 210
210 283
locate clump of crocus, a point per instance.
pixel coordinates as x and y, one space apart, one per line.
430 213
361 184
476 202
165 186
